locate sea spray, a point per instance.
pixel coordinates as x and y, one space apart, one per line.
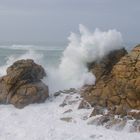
72 72
30 54
85 48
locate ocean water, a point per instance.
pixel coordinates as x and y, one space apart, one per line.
50 54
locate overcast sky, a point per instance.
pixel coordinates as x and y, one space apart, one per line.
53 20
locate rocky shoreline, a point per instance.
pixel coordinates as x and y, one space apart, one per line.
113 100
117 88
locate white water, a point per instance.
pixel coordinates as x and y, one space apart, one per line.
42 122
72 70
85 48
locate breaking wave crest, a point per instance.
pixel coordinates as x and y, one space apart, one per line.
83 48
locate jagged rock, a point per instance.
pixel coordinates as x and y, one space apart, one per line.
70 100
101 120
66 119
117 87
22 85
67 111
66 91
103 67
57 93
98 110
115 122
84 104
135 126
134 114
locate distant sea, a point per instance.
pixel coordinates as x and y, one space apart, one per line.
47 55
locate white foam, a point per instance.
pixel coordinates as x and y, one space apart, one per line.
42 122
84 48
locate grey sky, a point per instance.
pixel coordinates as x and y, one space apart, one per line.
53 20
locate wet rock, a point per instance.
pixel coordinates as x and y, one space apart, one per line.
66 91
115 100
103 67
57 93
84 104
22 85
116 123
66 119
70 100
68 111
134 114
135 126
117 90
101 120
98 110
117 86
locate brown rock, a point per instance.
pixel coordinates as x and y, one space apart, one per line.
22 85
101 120
134 114
84 104
118 82
115 100
119 110
102 102
132 103
106 93
30 93
98 110
132 95
104 67
66 119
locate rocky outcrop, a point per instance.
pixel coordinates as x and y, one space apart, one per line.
103 67
22 85
117 87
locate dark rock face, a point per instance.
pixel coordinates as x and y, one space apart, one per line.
22 85
117 86
102 68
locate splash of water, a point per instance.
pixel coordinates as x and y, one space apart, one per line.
30 54
85 48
